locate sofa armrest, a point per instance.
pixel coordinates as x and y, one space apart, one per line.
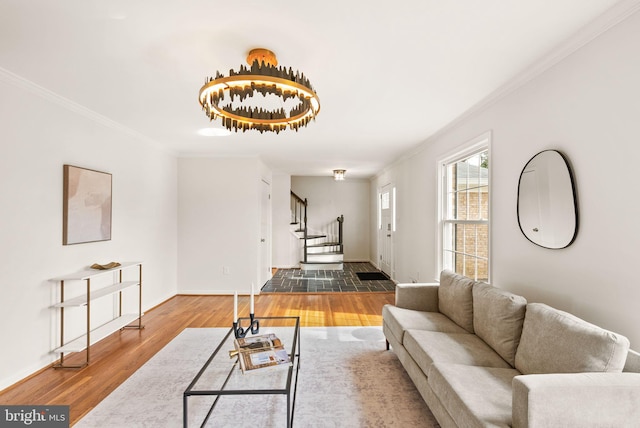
576 400
419 297
633 362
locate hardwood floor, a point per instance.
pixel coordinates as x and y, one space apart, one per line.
118 356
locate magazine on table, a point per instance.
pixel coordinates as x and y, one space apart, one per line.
263 351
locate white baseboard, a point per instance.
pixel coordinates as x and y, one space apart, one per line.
295 266
11 380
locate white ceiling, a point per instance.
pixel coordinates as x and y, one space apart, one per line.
388 74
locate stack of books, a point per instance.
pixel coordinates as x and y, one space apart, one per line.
260 352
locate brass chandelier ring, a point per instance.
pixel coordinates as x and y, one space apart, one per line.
263 77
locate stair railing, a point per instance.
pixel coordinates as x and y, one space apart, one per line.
300 217
340 241
299 210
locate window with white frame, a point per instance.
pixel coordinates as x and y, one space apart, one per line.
464 234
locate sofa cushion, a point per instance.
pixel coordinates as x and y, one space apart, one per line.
428 347
399 319
632 364
455 298
474 396
554 341
497 319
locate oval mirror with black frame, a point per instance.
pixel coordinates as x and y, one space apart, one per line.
547 208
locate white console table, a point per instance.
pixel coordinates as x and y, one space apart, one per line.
94 334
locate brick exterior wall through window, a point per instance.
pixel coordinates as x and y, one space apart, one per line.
473 238
467 246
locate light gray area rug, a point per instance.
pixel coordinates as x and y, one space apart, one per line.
347 379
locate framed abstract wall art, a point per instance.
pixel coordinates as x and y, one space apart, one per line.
86 206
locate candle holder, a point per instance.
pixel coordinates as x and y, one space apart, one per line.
254 327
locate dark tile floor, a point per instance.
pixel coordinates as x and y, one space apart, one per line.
316 281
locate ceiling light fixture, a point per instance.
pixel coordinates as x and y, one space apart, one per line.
338 174
262 77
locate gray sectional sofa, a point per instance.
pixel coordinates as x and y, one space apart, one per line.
483 357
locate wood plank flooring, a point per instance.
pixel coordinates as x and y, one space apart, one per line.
118 356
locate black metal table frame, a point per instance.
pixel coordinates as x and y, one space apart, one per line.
295 358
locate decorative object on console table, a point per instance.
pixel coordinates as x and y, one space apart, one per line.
92 293
86 214
259 352
106 266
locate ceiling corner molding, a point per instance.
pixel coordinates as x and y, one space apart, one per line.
27 85
582 37
598 26
609 19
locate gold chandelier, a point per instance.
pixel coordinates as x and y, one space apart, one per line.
262 77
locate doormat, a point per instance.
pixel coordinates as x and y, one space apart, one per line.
372 276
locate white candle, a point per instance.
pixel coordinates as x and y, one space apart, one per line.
252 299
235 306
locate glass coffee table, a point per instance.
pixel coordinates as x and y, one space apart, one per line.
221 379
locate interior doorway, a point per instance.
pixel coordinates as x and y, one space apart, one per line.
265 274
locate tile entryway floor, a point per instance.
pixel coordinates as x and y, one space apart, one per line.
316 281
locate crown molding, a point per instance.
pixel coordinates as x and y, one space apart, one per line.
598 26
17 81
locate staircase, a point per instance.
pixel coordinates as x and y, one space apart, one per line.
320 251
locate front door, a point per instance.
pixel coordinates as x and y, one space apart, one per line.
385 232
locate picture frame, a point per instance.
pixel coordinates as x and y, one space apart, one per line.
86 205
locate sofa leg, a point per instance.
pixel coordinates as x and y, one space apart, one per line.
387 344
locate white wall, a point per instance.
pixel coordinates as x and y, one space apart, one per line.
587 107
284 246
40 133
219 224
414 240
328 199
